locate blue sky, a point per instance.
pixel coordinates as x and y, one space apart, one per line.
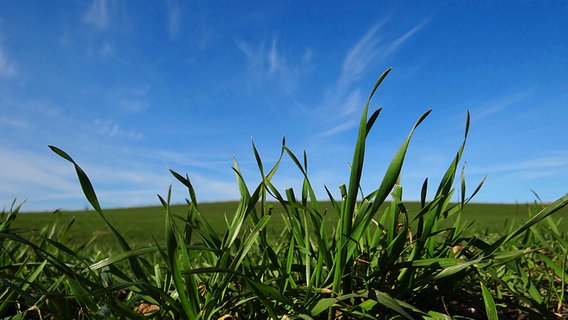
130 89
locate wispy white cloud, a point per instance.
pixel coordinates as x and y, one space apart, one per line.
255 57
100 49
500 103
360 56
8 67
370 50
198 160
14 123
30 174
173 18
276 63
344 126
111 129
271 63
133 105
532 168
42 178
214 189
140 188
344 109
98 14
106 49
100 17
132 98
351 103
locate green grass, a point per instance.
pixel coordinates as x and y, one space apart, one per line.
141 225
287 254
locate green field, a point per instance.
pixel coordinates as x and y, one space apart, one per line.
141 225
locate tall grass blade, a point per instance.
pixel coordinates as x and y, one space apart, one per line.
391 303
186 182
11 216
372 120
86 185
423 193
490 307
449 176
388 182
358 159
187 290
194 218
91 196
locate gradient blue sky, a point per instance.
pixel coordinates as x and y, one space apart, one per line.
130 89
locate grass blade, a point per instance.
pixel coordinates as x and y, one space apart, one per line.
187 290
547 211
490 307
391 303
91 196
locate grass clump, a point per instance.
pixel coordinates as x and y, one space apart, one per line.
380 262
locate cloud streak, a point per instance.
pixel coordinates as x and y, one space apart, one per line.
28 174
7 66
14 123
340 128
360 56
530 169
370 50
500 103
44 178
111 129
270 63
173 18
98 14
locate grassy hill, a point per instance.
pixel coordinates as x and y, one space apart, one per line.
141 225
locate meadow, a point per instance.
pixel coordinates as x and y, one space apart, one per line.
142 226
285 254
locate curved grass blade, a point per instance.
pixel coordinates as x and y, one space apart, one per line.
547 211
372 120
91 196
322 305
120 257
208 235
185 181
388 301
86 185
